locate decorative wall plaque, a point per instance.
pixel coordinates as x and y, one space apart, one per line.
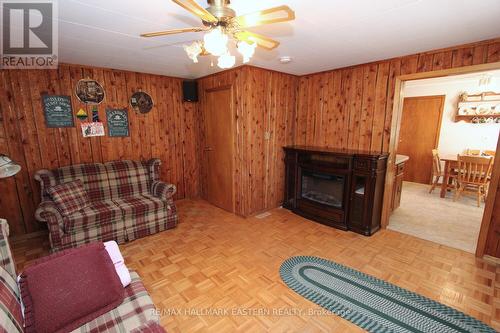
117 122
92 129
141 102
89 91
58 111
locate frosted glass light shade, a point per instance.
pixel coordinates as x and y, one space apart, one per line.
215 42
226 61
8 168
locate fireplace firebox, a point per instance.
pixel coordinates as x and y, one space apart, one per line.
339 188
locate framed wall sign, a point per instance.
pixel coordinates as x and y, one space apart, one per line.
117 122
89 91
58 111
141 102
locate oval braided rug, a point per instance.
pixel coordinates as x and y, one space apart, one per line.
373 304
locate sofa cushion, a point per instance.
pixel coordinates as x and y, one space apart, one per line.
128 178
94 178
69 197
140 205
11 318
136 309
63 291
97 214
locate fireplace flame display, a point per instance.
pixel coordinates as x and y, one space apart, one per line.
323 188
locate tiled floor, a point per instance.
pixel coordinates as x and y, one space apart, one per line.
425 215
216 261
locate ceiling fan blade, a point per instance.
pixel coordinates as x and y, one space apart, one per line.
266 16
193 7
173 31
261 40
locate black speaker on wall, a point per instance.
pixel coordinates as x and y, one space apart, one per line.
190 91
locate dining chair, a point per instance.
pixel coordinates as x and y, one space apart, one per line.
437 172
473 152
489 153
473 176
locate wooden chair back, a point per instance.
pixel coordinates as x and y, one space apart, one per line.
436 162
474 170
473 152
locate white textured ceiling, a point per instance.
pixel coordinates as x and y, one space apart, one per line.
326 34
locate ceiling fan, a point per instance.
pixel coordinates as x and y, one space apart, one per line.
222 24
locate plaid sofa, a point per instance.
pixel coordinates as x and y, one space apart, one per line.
137 313
127 201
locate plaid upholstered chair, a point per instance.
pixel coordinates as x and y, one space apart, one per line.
119 200
137 313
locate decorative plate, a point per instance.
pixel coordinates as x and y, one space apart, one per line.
464 111
141 102
483 109
89 91
497 109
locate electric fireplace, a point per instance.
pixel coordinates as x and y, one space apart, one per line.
339 188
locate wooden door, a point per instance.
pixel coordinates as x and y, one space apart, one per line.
419 134
219 150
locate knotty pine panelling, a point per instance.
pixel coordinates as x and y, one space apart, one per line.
169 132
352 107
265 103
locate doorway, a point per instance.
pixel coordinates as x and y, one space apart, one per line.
219 149
454 131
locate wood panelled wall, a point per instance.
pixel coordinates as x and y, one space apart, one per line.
352 107
265 103
168 132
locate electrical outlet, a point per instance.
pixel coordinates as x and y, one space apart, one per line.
267 135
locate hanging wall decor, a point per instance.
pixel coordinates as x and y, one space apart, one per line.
92 129
82 114
89 91
58 111
117 122
95 115
141 102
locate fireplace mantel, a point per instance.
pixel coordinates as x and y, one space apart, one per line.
342 188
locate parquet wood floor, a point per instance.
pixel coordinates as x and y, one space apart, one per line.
215 261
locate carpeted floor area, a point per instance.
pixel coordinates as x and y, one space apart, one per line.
425 215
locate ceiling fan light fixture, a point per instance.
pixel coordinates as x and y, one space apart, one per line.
247 50
226 61
215 42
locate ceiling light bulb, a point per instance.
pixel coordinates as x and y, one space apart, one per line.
247 50
215 42
193 51
226 61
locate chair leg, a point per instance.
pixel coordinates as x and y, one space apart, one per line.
434 182
479 197
457 193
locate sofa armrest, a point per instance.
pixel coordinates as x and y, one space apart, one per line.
163 190
47 212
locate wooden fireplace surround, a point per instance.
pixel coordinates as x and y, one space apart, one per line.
364 174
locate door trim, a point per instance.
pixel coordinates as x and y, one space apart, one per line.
396 114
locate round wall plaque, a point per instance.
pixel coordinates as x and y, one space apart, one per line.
89 91
141 102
